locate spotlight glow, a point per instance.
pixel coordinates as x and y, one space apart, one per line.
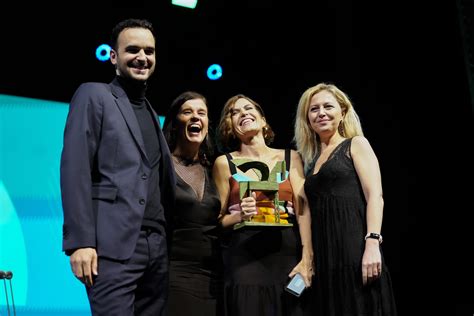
103 52
214 72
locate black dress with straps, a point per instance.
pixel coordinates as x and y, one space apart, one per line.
338 212
257 262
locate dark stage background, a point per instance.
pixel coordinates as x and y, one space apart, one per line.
403 65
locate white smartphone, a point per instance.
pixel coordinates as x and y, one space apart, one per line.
296 285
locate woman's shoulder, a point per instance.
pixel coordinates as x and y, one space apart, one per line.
359 140
293 154
360 144
220 167
221 159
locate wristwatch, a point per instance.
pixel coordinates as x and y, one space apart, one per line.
374 236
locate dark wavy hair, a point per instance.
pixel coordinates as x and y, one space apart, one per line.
226 140
206 150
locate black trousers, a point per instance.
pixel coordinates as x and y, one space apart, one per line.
138 286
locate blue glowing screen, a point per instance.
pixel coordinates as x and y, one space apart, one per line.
31 135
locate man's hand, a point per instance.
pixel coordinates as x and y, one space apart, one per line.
84 264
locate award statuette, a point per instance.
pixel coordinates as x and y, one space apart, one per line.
268 209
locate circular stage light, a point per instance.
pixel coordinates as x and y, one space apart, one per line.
214 72
103 52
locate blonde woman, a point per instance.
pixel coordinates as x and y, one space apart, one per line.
344 191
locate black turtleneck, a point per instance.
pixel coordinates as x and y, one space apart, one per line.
136 90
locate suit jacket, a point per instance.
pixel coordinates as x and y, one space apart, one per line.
105 171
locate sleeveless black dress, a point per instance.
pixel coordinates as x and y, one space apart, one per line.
338 212
195 258
257 262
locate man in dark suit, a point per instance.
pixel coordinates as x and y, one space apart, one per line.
117 183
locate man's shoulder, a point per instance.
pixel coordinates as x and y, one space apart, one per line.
94 86
92 90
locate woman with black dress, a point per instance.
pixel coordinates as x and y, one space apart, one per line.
344 191
259 260
195 260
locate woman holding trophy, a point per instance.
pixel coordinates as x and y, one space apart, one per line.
267 237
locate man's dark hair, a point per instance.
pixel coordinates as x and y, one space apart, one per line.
129 23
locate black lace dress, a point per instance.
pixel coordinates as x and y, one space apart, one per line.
195 259
338 211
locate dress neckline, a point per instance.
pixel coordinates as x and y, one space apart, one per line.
185 161
329 157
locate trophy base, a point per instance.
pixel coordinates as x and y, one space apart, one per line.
261 224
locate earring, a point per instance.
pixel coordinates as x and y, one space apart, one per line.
340 129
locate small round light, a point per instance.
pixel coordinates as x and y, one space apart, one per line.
103 52
214 72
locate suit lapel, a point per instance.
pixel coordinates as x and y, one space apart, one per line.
129 116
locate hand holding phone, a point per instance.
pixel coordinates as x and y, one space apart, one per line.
296 285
